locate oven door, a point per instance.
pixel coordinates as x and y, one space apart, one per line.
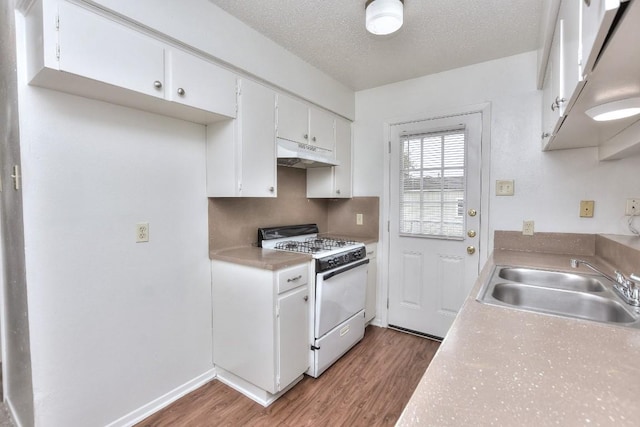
340 293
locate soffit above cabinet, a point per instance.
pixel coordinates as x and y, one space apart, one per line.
615 76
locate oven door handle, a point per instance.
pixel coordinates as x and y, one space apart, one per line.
329 275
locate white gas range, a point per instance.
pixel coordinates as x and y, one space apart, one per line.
338 292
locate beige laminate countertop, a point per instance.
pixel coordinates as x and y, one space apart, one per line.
270 259
505 367
267 259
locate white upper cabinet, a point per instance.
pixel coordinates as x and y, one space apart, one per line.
200 84
597 18
92 54
334 182
301 123
293 120
321 128
100 49
591 62
570 74
241 153
551 95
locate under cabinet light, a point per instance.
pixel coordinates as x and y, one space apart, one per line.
615 110
383 16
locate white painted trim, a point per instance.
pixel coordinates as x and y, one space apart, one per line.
164 400
12 412
23 6
485 191
253 392
376 321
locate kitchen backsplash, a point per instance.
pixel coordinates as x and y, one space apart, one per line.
235 221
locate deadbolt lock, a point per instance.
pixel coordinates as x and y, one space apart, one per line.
472 212
471 250
471 233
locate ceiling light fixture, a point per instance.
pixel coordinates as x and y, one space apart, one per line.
384 16
615 110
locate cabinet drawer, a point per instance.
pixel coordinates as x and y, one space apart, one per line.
372 250
292 278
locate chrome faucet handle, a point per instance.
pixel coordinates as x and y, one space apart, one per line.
621 279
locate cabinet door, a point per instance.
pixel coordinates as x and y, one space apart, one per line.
372 279
570 50
342 173
100 49
257 133
293 120
551 91
597 18
293 339
200 84
322 129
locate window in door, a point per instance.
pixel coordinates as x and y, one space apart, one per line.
432 184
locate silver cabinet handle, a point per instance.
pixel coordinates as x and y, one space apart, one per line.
545 135
337 191
157 84
181 91
313 139
293 279
306 298
271 189
306 136
556 104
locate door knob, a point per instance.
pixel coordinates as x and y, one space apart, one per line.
157 84
471 250
471 233
472 212
181 91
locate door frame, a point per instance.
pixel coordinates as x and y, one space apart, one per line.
485 189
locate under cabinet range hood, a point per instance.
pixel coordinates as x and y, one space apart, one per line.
303 156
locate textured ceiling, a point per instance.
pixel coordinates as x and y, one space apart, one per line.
437 35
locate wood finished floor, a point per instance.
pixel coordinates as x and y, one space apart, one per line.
369 386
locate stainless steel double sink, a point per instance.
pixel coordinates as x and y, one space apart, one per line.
575 295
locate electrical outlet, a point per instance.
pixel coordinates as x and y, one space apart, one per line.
527 228
142 232
633 207
359 219
586 208
504 187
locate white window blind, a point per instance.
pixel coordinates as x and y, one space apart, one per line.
432 184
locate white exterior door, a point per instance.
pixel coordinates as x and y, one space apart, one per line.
434 220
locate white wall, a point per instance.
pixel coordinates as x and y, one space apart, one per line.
548 185
114 323
203 25
16 358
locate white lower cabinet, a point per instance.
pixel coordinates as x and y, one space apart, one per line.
260 328
372 283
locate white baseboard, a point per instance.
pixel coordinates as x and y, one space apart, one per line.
162 401
253 392
377 322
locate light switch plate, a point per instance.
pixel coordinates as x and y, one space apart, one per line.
504 187
359 219
586 208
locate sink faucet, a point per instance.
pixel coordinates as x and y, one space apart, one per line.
627 287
